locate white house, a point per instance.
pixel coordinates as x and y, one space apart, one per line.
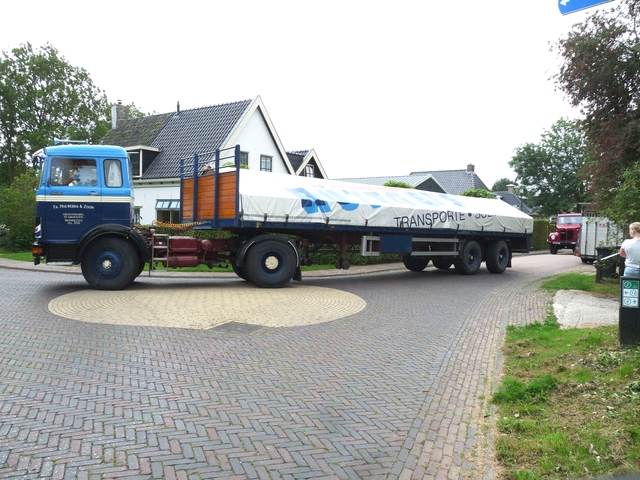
157 143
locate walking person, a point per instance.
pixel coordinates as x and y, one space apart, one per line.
630 251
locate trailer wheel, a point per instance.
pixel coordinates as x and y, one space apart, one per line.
470 259
497 256
110 264
415 264
441 263
270 264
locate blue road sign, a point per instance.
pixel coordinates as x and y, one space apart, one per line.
570 6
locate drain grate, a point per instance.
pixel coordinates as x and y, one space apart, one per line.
237 327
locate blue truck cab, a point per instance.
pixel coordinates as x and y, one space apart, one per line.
85 194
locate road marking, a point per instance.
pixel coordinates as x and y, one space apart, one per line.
207 306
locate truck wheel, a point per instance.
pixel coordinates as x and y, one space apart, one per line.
239 271
553 249
110 264
497 256
141 265
270 264
415 264
470 259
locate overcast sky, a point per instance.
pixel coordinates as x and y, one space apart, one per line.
376 88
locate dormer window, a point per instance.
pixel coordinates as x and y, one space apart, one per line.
308 171
141 156
136 164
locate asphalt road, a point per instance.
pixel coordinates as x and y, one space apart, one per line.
357 375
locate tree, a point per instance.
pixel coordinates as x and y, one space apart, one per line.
502 185
550 170
17 211
396 184
43 97
625 208
477 192
601 75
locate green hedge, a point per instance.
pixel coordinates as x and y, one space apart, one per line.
330 258
541 231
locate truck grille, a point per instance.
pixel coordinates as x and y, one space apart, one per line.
567 235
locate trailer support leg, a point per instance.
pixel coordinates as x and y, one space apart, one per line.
342 262
305 260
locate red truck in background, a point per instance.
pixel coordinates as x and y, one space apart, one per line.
567 232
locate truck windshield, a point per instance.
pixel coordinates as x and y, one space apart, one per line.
570 219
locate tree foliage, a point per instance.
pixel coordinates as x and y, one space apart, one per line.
502 185
396 184
601 75
550 170
624 208
477 192
18 211
43 97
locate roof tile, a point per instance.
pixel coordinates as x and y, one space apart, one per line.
200 130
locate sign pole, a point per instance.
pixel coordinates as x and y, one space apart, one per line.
629 319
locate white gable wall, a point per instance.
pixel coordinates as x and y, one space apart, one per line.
256 139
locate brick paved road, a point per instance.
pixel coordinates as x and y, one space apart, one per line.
396 391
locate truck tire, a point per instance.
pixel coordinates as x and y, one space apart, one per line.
110 264
270 264
470 258
553 249
139 270
441 263
415 264
497 257
239 271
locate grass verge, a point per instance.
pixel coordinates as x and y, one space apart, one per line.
569 404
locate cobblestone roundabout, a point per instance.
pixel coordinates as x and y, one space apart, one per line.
242 303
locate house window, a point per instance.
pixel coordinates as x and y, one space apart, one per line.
168 211
265 163
308 171
136 164
244 159
137 215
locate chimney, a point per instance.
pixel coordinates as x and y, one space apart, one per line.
471 168
511 188
178 108
119 114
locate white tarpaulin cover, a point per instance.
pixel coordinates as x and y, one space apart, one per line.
312 200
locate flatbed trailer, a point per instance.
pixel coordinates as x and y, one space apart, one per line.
272 222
